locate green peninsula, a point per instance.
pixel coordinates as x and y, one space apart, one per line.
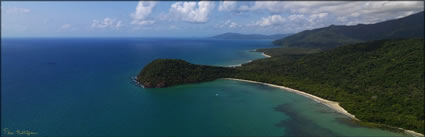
169 72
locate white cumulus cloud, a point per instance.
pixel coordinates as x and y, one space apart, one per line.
143 10
106 23
290 23
227 6
345 11
270 21
195 12
229 24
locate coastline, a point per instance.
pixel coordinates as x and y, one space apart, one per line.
136 82
262 53
331 104
255 50
265 55
238 65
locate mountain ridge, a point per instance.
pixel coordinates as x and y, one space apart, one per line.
411 26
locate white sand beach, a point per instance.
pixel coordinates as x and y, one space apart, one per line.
265 55
331 104
238 65
255 50
262 53
413 133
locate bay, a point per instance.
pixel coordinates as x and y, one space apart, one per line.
83 87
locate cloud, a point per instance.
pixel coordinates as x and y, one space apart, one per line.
227 6
143 22
270 20
244 8
347 11
118 25
295 16
318 15
143 10
289 23
66 26
16 10
229 24
106 23
173 27
194 12
341 19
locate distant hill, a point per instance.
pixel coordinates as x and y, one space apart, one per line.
330 37
249 36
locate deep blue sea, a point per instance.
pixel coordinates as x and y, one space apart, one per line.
83 87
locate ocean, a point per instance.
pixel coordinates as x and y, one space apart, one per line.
83 87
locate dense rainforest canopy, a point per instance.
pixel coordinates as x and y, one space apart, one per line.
379 81
169 72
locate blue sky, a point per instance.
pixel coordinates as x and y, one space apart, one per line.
189 19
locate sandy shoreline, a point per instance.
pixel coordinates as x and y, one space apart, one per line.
413 133
262 53
267 56
331 104
238 65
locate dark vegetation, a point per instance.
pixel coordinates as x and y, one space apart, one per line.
275 52
333 36
379 81
168 72
249 36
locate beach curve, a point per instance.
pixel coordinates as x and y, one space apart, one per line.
255 50
331 104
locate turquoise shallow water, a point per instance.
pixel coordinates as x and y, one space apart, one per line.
82 87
